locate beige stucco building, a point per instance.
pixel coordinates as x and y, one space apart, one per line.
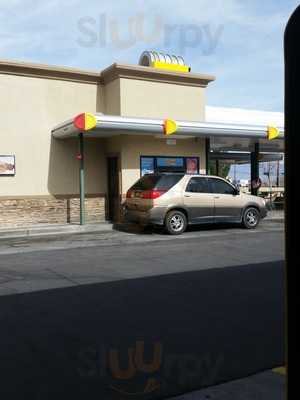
43 184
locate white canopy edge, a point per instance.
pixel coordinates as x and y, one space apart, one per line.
108 125
243 116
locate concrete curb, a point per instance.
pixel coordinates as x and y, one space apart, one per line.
60 230
17 233
273 220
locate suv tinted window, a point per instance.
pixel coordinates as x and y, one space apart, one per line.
163 182
221 187
197 185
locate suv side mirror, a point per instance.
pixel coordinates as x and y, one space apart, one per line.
236 191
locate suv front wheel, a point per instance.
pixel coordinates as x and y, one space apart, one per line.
175 222
251 218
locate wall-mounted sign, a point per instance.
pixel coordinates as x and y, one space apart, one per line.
170 162
147 165
171 142
154 164
192 165
7 165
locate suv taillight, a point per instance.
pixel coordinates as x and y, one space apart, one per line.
152 194
129 194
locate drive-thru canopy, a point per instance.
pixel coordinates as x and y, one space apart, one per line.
221 137
233 136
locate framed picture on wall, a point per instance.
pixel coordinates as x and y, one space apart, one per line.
7 165
192 165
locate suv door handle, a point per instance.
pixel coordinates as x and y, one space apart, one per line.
187 195
216 197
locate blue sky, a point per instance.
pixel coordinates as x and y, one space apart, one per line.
239 41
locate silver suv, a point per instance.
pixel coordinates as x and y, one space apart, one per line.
176 200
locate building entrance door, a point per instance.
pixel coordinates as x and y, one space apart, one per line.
113 189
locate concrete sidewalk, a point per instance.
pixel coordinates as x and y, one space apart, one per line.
54 229
275 216
68 229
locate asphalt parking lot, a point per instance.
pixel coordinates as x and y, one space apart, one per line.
65 297
45 263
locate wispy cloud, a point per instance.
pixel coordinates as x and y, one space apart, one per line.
240 41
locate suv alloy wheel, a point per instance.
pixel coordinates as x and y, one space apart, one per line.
251 218
175 222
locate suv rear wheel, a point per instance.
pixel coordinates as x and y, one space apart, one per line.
175 222
251 218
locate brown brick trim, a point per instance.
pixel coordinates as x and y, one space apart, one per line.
49 209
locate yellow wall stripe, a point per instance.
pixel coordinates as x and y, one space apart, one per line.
170 67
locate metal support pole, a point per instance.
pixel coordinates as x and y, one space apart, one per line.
81 179
254 168
207 151
217 167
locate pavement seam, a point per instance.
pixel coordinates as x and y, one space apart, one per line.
60 275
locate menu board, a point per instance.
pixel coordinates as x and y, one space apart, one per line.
150 165
169 161
147 165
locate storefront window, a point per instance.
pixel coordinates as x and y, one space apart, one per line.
152 164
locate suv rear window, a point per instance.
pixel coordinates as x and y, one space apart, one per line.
160 182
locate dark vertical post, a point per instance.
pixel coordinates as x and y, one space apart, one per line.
254 168
291 161
207 151
217 166
81 179
277 174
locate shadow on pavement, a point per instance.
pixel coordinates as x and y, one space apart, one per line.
149 230
148 338
135 228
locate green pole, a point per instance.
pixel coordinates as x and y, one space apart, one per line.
217 167
81 179
207 153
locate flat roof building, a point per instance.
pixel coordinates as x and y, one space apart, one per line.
43 106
